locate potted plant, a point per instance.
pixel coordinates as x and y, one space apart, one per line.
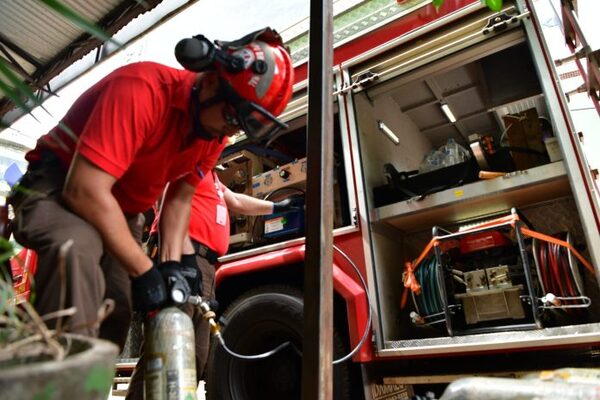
42 364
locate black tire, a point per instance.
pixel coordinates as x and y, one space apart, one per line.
258 321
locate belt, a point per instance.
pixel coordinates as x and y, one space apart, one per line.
47 159
47 162
206 252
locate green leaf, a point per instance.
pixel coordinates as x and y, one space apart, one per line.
16 81
19 91
14 95
438 3
78 20
494 5
5 257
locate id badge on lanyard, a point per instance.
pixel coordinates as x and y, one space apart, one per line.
221 214
221 208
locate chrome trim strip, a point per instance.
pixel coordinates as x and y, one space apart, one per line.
278 246
558 336
346 143
298 54
361 211
435 49
457 15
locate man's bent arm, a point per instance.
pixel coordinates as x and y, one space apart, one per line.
175 219
247 205
188 247
88 192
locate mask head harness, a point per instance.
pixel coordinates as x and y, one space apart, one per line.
256 78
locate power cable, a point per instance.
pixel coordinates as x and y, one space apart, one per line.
369 317
285 344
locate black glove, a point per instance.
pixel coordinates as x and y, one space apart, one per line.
191 272
176 282
148 291
293 203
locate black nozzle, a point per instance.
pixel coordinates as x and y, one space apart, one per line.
195 54
214 305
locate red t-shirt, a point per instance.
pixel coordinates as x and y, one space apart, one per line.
209 219
135 124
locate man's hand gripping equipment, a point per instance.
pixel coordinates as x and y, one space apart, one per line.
292 203
148 291
180 292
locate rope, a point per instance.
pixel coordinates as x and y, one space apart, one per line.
410 281
559 242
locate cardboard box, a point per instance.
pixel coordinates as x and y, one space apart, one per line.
524 131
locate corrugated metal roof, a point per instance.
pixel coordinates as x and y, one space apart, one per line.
38 43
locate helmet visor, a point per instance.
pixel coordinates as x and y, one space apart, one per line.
257 122
253 119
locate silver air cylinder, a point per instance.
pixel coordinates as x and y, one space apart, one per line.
170 372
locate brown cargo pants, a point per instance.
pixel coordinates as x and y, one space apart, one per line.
43 223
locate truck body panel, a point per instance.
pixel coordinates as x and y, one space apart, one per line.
412 47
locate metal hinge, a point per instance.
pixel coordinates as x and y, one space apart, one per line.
360 81
501 21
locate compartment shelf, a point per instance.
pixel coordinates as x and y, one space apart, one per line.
480 198
538 338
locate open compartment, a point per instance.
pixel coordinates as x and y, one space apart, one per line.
451 143
490 278
274 171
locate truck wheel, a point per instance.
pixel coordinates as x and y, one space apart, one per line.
256 322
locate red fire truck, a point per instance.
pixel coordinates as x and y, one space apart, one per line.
467 221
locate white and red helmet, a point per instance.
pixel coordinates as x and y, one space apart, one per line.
256 76
259 91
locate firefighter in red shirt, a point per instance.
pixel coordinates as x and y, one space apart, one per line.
91 177
208 240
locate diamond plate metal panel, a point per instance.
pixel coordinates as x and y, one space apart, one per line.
555 216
